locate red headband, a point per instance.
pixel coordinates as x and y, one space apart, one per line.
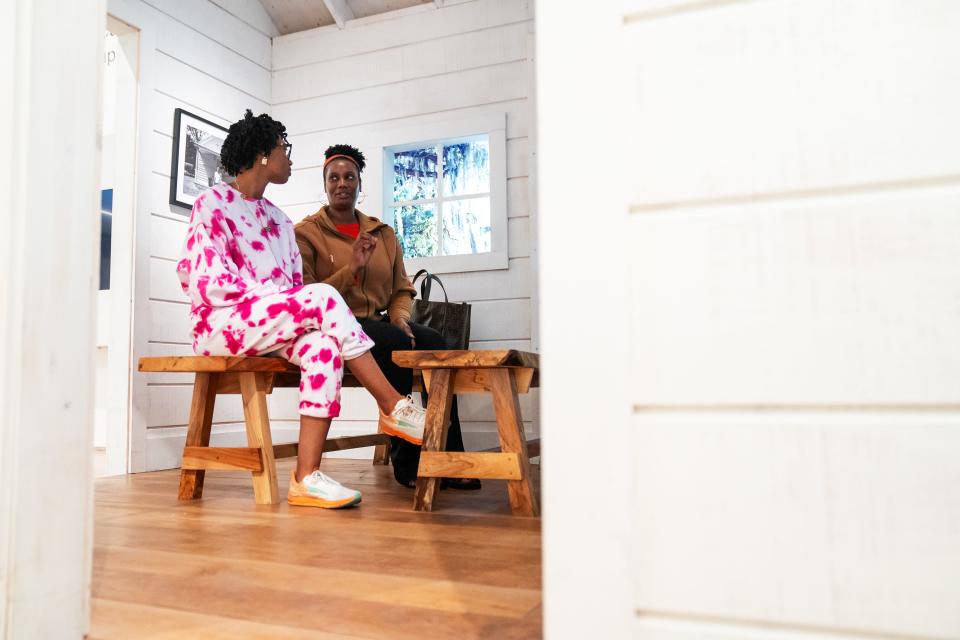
332 158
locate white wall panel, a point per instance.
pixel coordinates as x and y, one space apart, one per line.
203 89
310 146
317 45
164 283
381 66
784 96
848 300
830 520
507 81
166 236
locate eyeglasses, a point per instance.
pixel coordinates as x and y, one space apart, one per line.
287 149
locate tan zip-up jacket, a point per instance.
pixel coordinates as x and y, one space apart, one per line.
382 285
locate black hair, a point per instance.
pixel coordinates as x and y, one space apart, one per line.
248 138
345 150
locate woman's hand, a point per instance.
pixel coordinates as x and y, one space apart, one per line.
402 324
363 248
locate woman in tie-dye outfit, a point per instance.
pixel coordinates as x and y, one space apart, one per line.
241 269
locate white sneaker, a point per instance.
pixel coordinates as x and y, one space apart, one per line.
320 490
405 421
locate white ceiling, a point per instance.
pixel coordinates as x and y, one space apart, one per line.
291 16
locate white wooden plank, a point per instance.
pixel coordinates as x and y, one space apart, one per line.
206 91
309 147
519 237
839 521
252 13
158 111
649 9
156 199
474 286
167 236
164 284
676 627
215 23
850 300
784 134
169 322
500 320
508 81
201 51
518 197
327 44
417 60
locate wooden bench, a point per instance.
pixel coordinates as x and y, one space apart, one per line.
253 378
504 374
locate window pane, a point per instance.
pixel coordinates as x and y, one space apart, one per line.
466 226
466 168
415 174
416 228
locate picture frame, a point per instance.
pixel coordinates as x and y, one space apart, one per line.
195 164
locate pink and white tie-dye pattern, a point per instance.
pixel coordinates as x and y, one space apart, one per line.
242 270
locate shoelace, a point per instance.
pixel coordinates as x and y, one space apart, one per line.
322 477
409 410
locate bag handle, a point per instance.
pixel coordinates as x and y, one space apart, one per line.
426 285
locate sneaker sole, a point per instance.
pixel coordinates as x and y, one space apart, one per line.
307 501
390 430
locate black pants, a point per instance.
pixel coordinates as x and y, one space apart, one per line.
386 339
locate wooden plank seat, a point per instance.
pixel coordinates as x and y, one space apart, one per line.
253 378
502 373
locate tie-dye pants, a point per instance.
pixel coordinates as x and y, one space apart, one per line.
310 326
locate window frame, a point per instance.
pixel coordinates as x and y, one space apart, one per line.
455 130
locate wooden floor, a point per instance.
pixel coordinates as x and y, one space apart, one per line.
224 567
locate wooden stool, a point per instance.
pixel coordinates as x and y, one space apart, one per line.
253 378
501 373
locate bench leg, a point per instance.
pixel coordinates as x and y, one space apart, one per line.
381 453
253 389
198 431
435 433
512 439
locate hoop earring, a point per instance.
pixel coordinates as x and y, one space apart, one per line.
361 197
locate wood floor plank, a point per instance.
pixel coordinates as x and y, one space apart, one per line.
117 618
225 567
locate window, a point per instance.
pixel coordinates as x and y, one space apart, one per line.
446 196
441 198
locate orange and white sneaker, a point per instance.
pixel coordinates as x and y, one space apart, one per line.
405 421
320 490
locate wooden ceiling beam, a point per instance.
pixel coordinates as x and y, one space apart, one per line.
340 11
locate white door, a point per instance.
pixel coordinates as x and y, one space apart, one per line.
750 214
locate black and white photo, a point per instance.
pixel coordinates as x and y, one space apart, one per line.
195 165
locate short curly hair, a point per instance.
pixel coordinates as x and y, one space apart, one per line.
345 150
248 138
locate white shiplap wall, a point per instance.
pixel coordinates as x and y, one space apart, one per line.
415 67
212 59
794 198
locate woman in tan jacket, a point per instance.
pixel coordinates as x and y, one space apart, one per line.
360 256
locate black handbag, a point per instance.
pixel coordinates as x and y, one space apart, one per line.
450 319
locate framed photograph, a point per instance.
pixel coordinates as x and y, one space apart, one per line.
196 157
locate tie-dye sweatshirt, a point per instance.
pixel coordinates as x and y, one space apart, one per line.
236 251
